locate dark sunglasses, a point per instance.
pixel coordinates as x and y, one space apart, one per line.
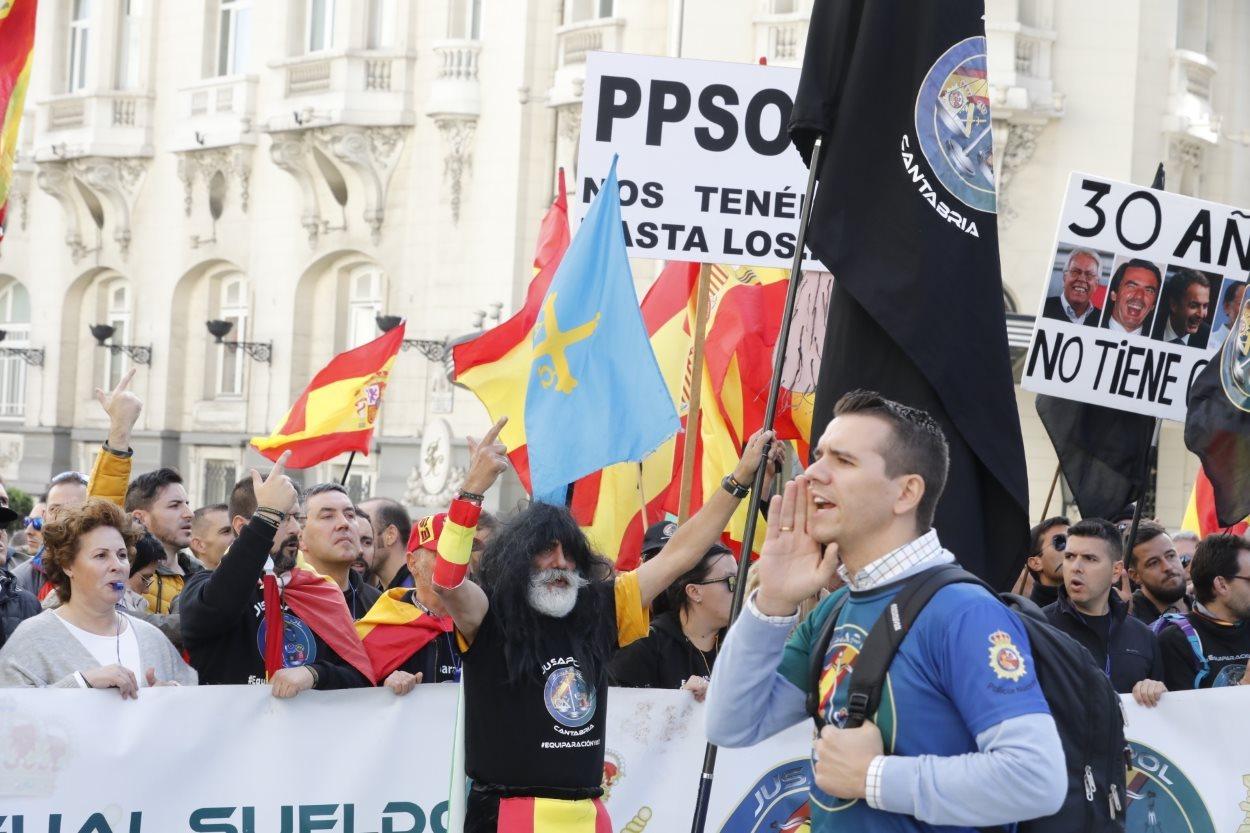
1185 559
1059 541
34 523
730 581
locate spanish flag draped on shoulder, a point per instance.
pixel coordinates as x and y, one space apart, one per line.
394 629
494 364
338 409
17 41
595 395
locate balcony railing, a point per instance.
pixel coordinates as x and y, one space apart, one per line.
217 112
96 124
345 86
455 90
780 38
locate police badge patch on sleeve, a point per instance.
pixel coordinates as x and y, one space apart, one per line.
1005 659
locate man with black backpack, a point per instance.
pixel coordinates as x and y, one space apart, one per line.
1209 647
960 731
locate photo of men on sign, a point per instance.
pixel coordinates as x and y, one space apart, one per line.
1078 285
1226 311
1132 296
1185 309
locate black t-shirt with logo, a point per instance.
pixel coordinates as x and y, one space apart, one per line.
542 736
1226 649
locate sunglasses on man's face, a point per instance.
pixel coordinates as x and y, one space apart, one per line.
33 523
1059 541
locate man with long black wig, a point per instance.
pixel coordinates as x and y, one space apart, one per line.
538 626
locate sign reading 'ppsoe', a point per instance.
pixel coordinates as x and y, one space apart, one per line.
707 171
1141 291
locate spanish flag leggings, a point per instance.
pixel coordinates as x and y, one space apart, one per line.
487 813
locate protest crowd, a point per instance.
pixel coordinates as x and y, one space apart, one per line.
959 674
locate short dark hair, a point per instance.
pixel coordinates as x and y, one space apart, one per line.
204 510
1135 263
918 445
1216 556
1147 530
360 513
674 598
391 512
1037 533
142 491
1230 291
242 499
323 488
1101 529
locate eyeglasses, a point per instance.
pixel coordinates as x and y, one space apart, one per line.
33 523
730 581
1243 578
1083 273
147 580
1185 559
1059 541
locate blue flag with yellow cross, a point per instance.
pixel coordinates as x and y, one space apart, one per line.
595 395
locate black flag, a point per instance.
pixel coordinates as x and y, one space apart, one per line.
1102 451
904 219
1217 424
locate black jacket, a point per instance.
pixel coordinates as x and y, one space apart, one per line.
1134 651
1053 308
1041 595
359 595
1145 610
15 605
1225 649
664 658
222 612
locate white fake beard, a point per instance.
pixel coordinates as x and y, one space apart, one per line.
550 599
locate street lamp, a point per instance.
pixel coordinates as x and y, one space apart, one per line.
261 351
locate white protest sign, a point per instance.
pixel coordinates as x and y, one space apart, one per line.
706 168
1137 297
232 759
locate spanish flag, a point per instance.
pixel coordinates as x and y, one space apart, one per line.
1200 513
319 603
17 41
394 629
495 365
553 815
338 409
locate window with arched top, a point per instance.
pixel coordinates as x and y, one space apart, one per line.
118 316
232 307
15 321
365 292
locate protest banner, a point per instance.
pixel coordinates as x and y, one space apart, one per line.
1146 272
706 167
366 761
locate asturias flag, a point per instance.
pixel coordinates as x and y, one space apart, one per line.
17 41
338 409
595 395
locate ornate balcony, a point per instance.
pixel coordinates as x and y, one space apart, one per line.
573 43
353 87
1189 113
217 112
780 38
113 124
455 91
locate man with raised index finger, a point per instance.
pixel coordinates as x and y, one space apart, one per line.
224 621
963 737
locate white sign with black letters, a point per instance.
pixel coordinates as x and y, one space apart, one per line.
706 167
1140 293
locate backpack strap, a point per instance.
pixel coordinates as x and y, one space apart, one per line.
867 679
868 675
816 659
1195 642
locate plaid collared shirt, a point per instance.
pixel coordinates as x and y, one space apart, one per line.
901 561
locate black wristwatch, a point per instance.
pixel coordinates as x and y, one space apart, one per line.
734 487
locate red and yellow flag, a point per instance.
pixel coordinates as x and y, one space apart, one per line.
495 365
319 603
553 815
338 409
393 630
1200 516
17 41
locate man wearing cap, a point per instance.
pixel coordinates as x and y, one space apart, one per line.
16 604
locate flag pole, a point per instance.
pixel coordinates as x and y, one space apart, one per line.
347 469
695 401
1054 481
757 485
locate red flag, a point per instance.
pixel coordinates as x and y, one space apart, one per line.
17 42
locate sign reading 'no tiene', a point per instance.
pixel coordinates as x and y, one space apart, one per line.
1141 291
706 166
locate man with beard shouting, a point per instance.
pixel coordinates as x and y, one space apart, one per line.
537 627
